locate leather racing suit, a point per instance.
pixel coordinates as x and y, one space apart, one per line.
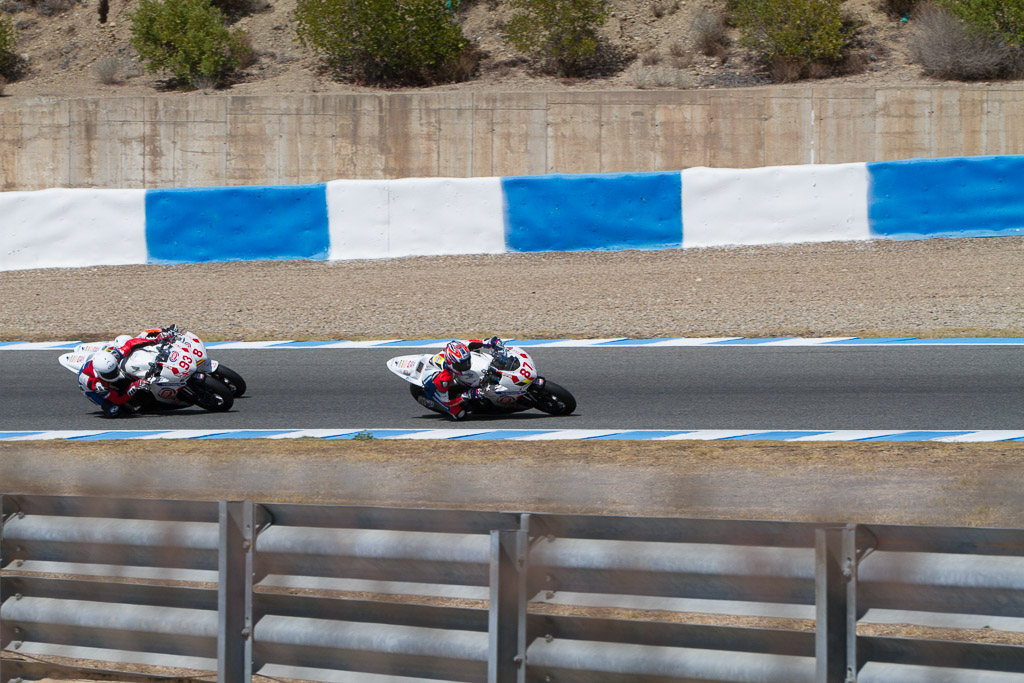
450 390
113 395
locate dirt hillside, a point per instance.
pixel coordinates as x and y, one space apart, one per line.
65 43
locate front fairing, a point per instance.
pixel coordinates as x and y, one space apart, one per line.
177 363
521 372
197 348
514 381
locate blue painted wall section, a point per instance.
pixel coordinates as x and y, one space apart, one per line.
593 212
192 225
958 197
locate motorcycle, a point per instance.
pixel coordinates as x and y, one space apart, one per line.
509 382
177 372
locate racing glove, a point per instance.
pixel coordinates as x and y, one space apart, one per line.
167 334
136 386
495 343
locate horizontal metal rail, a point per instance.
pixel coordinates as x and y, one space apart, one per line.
132 542
142 628
89 577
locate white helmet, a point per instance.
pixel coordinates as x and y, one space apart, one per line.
120 339
104 364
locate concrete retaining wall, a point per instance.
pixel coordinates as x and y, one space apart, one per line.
194 141
348 219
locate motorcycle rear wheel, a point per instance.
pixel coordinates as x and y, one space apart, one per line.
554 399
420 396
211 394
231 379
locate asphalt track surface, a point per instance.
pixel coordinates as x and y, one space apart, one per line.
920 388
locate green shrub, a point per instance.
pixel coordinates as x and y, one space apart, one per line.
8 38
391 42
792 36
562 34
1004 18
187 37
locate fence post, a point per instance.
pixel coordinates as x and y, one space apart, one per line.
837 552
506 656
855 538
3 518
234 594
830 601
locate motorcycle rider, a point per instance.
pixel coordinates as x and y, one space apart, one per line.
452 385
105 384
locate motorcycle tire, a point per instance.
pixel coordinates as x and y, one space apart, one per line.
231 379
211 394
420 396
554 399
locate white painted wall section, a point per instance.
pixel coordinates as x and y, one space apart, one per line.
447 216
70 228
776 205
357 218
415 217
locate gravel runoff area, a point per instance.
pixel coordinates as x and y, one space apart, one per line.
932 287
937 287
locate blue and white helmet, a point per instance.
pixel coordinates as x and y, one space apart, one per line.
457 358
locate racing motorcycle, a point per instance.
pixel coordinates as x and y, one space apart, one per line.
509 382
177 372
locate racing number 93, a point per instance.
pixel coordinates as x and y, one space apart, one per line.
185 364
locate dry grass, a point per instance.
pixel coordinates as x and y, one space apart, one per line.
651 58
108 70
667 76
661 8
711 34
946 48
786 69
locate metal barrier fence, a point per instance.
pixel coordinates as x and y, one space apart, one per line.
243 588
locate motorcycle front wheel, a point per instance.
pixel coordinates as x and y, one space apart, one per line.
231 379
554 399
209 393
